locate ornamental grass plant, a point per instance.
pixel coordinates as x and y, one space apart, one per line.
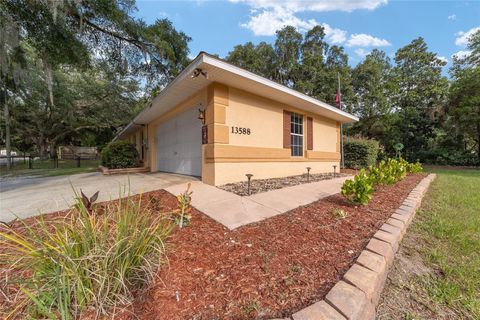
91 259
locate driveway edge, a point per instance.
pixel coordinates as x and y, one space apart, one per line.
357 294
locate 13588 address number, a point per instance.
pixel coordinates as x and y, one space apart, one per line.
241 130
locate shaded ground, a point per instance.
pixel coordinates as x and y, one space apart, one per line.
263 185
436 273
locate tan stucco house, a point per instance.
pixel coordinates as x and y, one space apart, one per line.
220 122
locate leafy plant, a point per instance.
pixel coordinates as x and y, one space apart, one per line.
359 190
414 167
119 154
340 214
88 203
88 260
360 153
182 215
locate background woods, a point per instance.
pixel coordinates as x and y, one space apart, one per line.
403 100
76 72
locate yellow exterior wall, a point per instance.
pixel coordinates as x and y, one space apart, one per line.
227 156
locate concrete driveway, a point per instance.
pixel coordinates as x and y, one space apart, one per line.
29 196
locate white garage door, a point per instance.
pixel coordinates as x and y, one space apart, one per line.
179 146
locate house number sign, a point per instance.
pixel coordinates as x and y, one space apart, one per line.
241 130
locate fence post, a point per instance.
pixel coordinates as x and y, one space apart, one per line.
30 166
78 161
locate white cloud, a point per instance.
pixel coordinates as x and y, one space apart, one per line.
452 17
462 37
314 5
461 54
269 21
362 52
268 16
443 59
334 35
366 40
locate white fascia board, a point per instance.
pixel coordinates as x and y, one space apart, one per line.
252 76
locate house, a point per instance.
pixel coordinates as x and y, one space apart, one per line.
220 122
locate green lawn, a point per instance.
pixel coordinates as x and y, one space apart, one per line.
45 168
449 224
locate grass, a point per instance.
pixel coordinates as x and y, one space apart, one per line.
45 168
95 258
449 224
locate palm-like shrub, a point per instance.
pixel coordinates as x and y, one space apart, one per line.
91 259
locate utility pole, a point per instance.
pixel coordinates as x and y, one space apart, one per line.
341 125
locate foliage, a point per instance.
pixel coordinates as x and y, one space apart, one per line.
340 213
119 154
74 69
448 231
414 167
359 190
182 215
360 153
88 203
88 260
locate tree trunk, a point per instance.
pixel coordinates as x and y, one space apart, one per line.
7 128
53 149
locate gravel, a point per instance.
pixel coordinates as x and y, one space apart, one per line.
263 185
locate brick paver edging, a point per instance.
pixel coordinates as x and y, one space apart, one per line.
356 295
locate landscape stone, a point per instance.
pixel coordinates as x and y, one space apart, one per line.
317 311
350 301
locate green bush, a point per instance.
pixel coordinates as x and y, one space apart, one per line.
119 154
414 167
360 153
91 259
358 190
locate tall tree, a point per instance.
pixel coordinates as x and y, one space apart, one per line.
421 90
464 106
287 49
372 87
312 69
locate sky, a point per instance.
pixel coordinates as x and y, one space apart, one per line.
357 25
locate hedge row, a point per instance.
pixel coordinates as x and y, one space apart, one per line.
119 154
360 153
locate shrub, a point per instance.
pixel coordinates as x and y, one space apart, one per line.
359 190
360 153
119 154
90 259
414 167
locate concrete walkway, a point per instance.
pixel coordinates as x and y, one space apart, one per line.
29 196
234 211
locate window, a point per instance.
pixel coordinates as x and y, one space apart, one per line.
296 135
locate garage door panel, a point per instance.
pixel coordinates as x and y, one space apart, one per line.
179 144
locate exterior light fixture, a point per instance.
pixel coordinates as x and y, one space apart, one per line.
198 72
308 174
201 115
334 170
249 177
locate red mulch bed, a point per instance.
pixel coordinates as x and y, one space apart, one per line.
264 270
268 269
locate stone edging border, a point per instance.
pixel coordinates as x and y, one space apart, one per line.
356 295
